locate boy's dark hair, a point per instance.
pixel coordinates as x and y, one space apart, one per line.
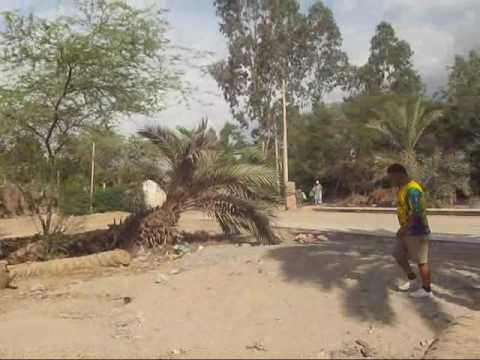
397 169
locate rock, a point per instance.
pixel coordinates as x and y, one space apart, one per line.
161 279
320 237
177 352
371 329
300 238
127 300
175 272
182 249
154 196
309 238
365 349
200 248
258 346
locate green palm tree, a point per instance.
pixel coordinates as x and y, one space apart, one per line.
403 123
230 188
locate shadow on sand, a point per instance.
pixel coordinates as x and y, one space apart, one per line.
363 269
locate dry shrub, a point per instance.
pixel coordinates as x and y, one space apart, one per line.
382 197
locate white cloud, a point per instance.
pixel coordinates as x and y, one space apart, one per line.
436 30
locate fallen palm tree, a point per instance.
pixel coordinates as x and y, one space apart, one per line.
236 190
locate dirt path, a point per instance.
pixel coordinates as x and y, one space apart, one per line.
450 228
295 301
445 227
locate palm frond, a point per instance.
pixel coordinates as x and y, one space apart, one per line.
169 143
235 190
234 214
403 122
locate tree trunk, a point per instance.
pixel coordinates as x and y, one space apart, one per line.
285 144
277 157
92 177
153 228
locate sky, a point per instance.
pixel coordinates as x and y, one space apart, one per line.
437 30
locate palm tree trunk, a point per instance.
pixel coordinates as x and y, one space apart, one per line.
153 228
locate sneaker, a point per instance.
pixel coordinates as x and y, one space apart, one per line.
421 293
408 285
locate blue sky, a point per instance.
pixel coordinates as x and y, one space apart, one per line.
435 29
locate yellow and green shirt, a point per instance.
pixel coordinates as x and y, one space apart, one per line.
412 208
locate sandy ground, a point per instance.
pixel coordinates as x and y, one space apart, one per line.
444 227
285 301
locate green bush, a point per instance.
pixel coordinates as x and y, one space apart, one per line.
111 199
135 200
74 197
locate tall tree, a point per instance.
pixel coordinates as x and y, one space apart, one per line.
389 66
403 123
276 54
64 75
461 130
463 97
69 73
271 41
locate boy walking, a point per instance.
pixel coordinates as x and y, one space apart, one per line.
413 237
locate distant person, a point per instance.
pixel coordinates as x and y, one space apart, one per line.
413 237
317 193
299 196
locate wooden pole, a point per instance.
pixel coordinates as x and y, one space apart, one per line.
92 177
285 144
277 158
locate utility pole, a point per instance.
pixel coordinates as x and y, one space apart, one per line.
285 144
92 177
277 157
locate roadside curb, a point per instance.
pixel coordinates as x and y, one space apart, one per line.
360 210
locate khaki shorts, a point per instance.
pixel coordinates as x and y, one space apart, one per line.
414 248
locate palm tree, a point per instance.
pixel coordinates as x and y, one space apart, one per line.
200 176
403 122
